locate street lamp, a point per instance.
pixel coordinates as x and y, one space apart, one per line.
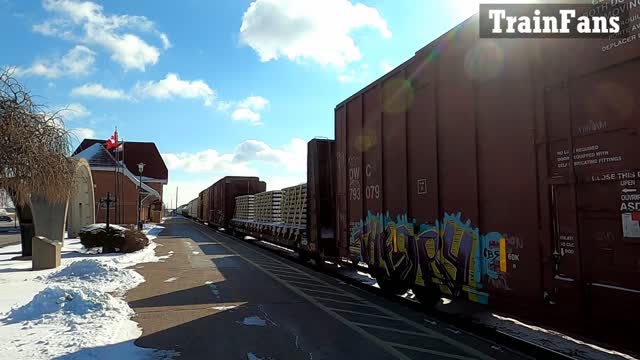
140 170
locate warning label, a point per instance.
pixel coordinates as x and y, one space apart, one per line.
585 156
631 225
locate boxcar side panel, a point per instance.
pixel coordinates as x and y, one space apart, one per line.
458 254
354 142
341 181
397 229
422 172
321 213
507 172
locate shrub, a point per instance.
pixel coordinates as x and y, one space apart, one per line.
98 235
113 239
134 240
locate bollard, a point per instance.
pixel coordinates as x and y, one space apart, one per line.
45 253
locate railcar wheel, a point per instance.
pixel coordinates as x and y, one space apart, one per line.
318 259
428 296
303 256
391 286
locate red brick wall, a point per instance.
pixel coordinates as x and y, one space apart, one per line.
104 181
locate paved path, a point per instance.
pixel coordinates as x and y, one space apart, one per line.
9 237
217 297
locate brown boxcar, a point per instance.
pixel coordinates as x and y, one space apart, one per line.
321 218
203 205
506 171
222 195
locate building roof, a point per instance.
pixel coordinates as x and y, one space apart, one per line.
98 157
134 153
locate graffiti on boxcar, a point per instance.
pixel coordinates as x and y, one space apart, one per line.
450 253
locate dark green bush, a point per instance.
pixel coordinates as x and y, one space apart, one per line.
113 239
134 240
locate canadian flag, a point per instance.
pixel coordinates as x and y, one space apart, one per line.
113 142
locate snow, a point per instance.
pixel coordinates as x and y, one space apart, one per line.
171 279
578 349
254 321
75 311
95 227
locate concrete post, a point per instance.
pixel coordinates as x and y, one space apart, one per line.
46 253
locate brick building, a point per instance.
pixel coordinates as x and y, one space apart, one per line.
117 173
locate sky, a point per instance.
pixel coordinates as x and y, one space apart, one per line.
224 87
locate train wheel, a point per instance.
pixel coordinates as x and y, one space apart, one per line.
392 287
318 259
303 256
429 296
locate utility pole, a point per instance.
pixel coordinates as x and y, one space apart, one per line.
176 197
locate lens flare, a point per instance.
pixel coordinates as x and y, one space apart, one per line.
484 61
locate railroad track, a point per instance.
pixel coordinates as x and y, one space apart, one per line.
461 322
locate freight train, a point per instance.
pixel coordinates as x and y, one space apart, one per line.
503 171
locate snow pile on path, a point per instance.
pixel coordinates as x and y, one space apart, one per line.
75 311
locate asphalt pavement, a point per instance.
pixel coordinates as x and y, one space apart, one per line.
218 297
9 236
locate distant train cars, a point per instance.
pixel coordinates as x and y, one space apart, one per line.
496 170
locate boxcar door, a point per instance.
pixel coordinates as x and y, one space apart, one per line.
564 254
606 120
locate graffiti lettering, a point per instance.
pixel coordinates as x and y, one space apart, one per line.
451 254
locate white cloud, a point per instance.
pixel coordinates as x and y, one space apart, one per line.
292 156
288 167
246 114
355 75
308 29
187 189
83 133
248 109
386 66
74 111
77 61
85 22
172 86
207 161
99 91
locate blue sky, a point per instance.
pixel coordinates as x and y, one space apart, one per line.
224 87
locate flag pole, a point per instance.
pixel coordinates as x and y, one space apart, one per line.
115 173
122 180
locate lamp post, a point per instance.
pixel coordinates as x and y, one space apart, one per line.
140 170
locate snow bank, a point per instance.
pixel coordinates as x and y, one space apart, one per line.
95 227
75 311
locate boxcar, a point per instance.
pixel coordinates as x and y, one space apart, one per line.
321 219
505 171
222 194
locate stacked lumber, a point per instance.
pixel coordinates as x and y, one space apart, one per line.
294 205
268 206
245 208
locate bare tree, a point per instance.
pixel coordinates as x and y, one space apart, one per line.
33 146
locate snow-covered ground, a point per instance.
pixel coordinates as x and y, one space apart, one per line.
76 311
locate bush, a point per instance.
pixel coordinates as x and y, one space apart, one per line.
113 239
134 240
